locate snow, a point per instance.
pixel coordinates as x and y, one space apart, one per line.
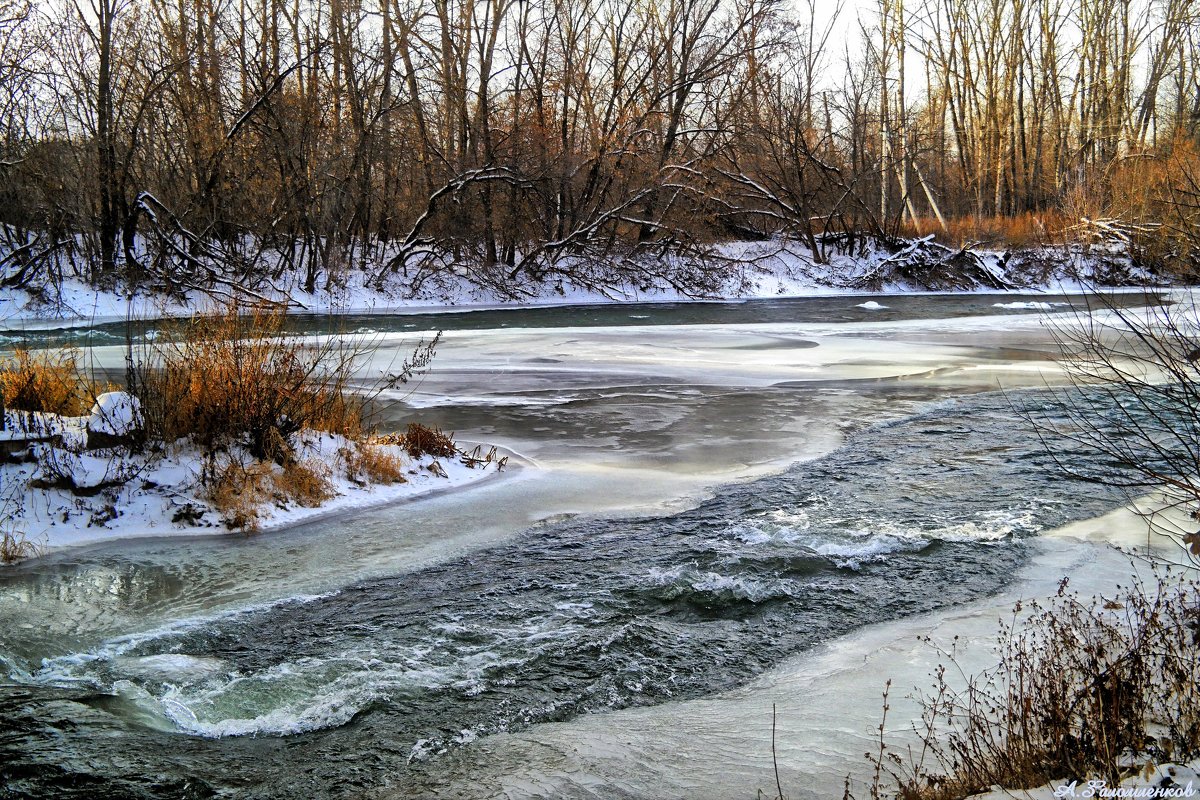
65 496
25 426
1164 780
84 471
871 305
751 270
116 414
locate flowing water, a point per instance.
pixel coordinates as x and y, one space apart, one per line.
698 499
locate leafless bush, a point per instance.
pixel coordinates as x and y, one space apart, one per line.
1082 688
1134 403
419 440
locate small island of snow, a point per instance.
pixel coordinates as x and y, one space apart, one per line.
69 481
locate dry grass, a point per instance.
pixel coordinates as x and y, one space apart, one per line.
14 546
1022 231
47 380
1083 689
235 378
369 463
237 490
305 483
418 440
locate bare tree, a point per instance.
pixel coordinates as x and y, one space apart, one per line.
518 142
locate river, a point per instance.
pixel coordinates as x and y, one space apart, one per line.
712 506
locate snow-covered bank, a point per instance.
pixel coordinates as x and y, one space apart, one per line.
741 270
57 493
1164 780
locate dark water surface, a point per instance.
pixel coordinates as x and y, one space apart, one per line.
831 309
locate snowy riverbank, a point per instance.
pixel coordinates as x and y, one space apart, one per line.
56 492
743 271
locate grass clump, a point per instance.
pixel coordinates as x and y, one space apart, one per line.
234 377
47 381
237 491
14 546
420 440
370 463
306 483
1083 689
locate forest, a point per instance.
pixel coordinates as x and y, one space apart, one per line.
186 143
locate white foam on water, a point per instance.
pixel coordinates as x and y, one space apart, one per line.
740 586
686 580
170 666
292 697
423 749
780 525
82 667
852 542
327 710
874 548
579 609
327 691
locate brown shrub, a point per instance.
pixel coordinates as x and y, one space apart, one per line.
418 440
238 490
48 380
14 546
1018 231
236 377
1082 689
367 463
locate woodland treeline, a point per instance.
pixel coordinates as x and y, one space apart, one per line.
186 140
